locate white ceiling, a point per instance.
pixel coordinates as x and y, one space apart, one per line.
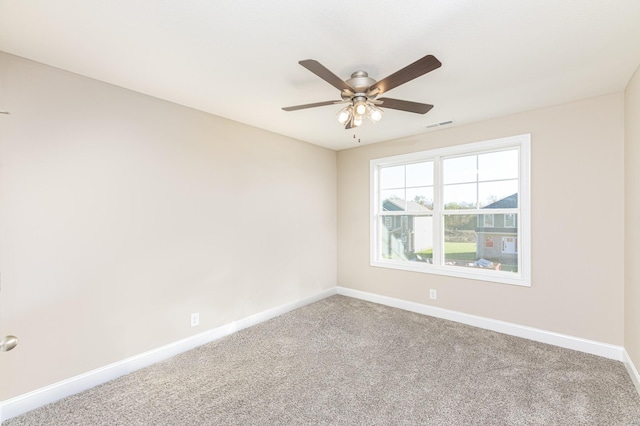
239 59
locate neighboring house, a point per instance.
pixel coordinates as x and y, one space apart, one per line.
406 234
497 234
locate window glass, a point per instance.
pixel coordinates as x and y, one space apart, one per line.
498 194
407 238
393 200
463 196
420 174
460 239
488 220
498 165
420 198
460 169
510 245
392 177
461 248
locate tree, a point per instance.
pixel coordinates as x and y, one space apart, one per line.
423 201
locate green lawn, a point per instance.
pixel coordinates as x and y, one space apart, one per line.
463 251
455 251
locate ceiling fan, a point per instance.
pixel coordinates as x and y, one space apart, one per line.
361 92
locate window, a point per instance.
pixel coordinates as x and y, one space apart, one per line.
461 211
510 220
488 220
488 242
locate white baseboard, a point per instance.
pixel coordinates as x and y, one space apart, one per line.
633 371
570 342
46 395
32 400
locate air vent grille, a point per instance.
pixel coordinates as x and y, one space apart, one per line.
442 123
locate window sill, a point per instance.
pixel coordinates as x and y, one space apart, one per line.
456 271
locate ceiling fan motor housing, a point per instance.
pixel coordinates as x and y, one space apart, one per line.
360 81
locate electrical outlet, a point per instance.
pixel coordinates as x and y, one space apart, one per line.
195 319
433 294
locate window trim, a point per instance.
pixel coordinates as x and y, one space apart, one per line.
523 277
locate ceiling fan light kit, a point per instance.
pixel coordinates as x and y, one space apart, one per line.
356 112
360 92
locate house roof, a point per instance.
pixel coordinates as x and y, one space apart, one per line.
399 205
506 203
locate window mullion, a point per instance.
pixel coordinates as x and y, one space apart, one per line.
477 182
438 234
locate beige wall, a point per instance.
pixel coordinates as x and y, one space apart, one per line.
577 158
632 220
121 214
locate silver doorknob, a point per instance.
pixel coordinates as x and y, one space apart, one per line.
7 343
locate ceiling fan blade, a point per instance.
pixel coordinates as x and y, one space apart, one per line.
305 106
408 106
408 73
321 71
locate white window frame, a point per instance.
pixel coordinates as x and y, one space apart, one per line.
523 276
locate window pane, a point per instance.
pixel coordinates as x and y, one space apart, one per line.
393 200
498 195
419 199
460 169
462 196
420 174
423 239
392 177
407 238
460 239
468 245
498 165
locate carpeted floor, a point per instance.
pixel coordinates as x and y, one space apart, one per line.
343 361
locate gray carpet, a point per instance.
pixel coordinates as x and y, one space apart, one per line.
343 361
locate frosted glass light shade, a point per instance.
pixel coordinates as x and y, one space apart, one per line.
375 114
360 108
343 115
